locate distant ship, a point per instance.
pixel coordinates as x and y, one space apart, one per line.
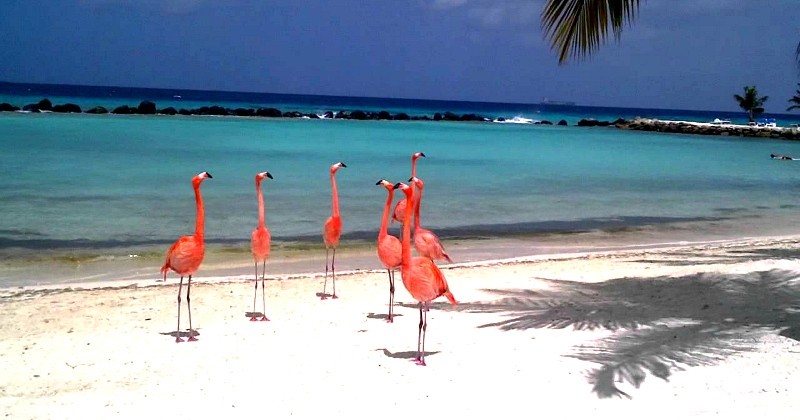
546 101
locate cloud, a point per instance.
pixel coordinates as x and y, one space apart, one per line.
168 7
447 4
493 13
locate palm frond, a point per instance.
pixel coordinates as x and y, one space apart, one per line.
797 55
577 28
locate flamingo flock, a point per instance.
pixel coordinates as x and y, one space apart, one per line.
420 275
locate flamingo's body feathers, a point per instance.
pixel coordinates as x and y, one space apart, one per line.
260 244
332 231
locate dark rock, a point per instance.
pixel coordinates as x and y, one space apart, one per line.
212 110
168 111
45 105
471 117
68 107
449 116
563 122
269 112
123 110
358 115
6 107
384 115
97 110
244 112
402 117
31 108
437 117
184 111
587 122
328 114
545 122
292 114
147 108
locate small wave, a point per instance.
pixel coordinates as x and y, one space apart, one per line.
516 120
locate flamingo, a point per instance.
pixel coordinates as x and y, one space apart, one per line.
426 242
332 230
186 254
390 250
421 277
259 245
399 208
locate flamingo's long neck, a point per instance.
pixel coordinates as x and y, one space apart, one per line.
406 244
199 223
260 204
416 208
385 220
413 166
335 200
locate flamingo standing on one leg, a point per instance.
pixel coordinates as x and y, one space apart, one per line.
390 251
421 277
332 230
400 207
426 242
186 254
259 245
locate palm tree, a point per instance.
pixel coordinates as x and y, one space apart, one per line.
751 102
577 28
795 100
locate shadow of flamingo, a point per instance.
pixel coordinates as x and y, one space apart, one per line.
373 315
181 334
409 355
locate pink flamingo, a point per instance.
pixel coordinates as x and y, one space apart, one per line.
400 207
421 277
390 251
259 245
186 254
332 230
426 242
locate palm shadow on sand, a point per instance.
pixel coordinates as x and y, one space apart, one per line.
661 324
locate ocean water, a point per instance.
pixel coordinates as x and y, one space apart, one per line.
99 197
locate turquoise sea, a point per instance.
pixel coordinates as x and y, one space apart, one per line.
101 197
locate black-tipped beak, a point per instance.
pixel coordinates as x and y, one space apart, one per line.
396 186
410 179
343 165
379 182
421 154
209 175
269 175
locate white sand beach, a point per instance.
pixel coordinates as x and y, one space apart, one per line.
680 332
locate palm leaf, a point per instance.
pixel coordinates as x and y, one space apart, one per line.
577 28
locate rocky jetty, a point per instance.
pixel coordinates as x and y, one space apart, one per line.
708 129
150 108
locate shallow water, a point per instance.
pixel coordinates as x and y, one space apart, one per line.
88 191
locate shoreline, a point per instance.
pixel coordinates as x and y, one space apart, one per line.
362 262
609 334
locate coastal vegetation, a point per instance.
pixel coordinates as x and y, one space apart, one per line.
751 102
795 101
578 28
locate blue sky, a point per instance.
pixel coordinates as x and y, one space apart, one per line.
686 54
